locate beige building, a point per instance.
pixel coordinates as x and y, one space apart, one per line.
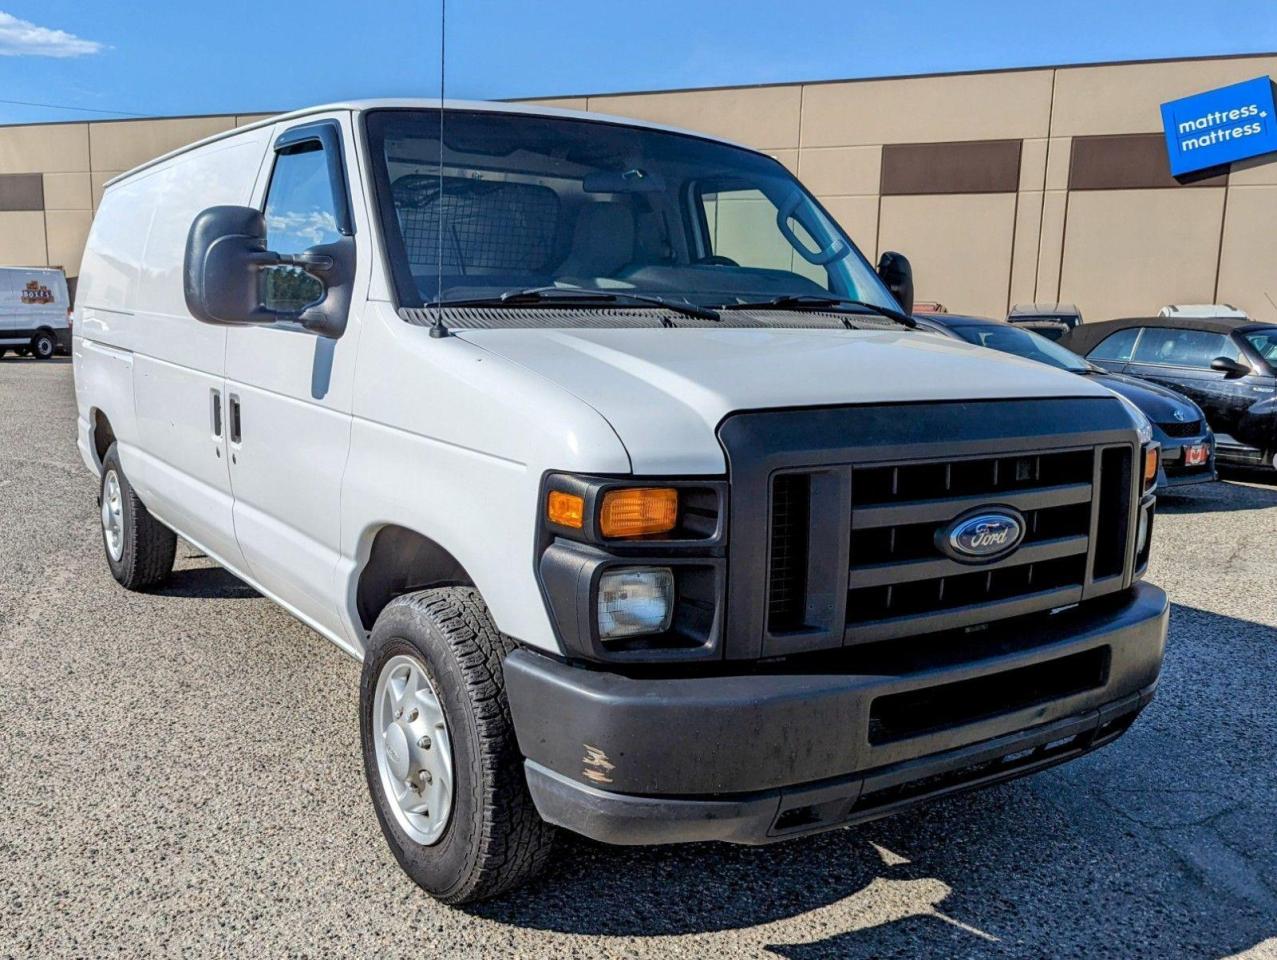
1006 187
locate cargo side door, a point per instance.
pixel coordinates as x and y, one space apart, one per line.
290 392
179 462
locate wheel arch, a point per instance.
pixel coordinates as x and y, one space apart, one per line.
401 560
101 434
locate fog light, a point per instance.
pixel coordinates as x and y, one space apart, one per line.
634 601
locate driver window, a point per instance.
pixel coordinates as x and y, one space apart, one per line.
742 228
300 213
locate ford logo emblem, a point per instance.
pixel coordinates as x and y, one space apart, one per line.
983 535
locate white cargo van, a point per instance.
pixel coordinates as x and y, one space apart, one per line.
35 311
647 510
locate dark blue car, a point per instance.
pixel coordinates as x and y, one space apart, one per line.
1188 446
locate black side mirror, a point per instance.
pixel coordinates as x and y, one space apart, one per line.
227 270
1229 367
894 270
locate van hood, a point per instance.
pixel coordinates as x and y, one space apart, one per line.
665 391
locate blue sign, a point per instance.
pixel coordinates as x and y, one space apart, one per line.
1220 126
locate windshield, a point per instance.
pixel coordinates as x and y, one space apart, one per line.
1264 343
1022 343
533 201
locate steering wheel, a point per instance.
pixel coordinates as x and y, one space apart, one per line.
715 260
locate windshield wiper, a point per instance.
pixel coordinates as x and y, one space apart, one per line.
819 301
566 296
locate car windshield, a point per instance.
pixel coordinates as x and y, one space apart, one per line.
1022 343
593 208
1264 343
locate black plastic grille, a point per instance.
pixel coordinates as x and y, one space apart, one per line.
787 579
899 513
899 716
1181 430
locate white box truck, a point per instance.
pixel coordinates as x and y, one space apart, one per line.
647 510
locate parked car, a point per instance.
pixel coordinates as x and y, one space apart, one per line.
1188 446
1228 366
34 311
1051 320
1198 310
647 510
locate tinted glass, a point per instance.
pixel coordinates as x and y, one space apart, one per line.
299 204
1183 348
1022 343
1264 343
530 201
1116 346
300 214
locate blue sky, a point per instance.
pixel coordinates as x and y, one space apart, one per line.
152 58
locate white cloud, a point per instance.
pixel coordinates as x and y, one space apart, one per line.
21 38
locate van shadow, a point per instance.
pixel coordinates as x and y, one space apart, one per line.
1220 497
55 361
206 583
1134 844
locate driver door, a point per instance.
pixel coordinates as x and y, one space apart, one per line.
289 392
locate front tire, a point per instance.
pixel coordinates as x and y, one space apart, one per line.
139 549
43 345
432 682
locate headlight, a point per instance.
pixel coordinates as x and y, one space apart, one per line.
1143 426
1141 535
634 601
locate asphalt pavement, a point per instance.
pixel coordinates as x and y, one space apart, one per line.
180 776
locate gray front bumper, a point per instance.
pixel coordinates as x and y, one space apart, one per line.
757 757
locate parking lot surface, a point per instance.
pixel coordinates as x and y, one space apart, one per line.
180 775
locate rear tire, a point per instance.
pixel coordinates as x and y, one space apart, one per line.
492 839
43 345
139 549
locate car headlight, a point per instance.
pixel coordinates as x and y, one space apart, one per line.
634 601
1143 426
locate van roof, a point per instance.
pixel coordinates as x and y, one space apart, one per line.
425 103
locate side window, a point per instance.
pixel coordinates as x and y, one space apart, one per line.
1116 346
1183 348
742 228
300 213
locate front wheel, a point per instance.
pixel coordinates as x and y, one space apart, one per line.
43 345
443 768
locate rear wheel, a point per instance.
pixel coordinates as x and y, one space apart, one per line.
443 768
139 549
43 345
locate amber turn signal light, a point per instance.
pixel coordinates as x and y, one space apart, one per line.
1150 467
565 509
638 511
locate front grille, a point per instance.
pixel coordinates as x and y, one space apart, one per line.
1181 430
836 514
1075 503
